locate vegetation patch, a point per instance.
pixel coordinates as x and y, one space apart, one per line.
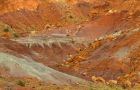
21 83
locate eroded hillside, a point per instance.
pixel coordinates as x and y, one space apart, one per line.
69 42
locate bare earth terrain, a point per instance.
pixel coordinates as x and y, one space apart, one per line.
69 45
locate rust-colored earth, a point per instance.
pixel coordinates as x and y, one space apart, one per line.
69 41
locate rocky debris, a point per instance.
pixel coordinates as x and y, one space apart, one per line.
112 82
125 84
112 11
124 81
85 52
98 79
100 67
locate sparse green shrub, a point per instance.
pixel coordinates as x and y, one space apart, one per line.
21 83
6 30
15 35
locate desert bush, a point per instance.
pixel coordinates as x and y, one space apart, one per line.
15 35
6 30
21 83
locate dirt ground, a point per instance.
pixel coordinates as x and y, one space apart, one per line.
83 38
